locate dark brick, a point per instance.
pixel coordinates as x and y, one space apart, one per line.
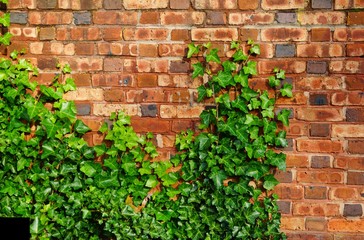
83 109
355 178
19 17
216 18
319 130
46 4
179 67
285 50
284 207
284 176
149 110
320 162
326 4
285 17
354 82
112 4
315 192
82 18
318 99
316 67
180 4
353 210
48 63
87 5
355 115
356 146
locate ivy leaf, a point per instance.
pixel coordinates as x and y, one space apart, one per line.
274 82
104 127
212 56
70 83
6 39
170 179
202 93
242 187
51 126
266 101
248 93
239 56
281 74
67 110
255 49
208 117
223 79
152 181
229 66
218 176
111 163
198 70
240 103
33 108
286 91
225 100
80 127
251 68
280 140
283 116
242 79
234 45
192 49
89 168
276 159
269 112
270 182
203 141
35 226
47 150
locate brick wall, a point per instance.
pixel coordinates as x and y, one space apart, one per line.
129 54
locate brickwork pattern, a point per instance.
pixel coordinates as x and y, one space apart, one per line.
130 55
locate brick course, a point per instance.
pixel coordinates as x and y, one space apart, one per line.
130 55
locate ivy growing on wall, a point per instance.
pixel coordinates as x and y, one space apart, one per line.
217 186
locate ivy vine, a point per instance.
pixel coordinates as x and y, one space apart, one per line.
217 186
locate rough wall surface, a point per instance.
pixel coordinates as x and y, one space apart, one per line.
130 55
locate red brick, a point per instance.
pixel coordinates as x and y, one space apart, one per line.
215 4
111 17
321 18
251 18
284 34
151 125
248 5
292 223
345 193
184 18
324 146
348 162
356 146
319 83
342 4
290 66
47 33
50 18
297 161
284 176
147 80
145 4
181 125
315 192
299 98
149 18
320 177
319 130
320 114
355 178
283 4
355 18
289 191
172 50
320 50
180 35
216 18
248 33
320 34
355 114
82 79
355 50
316 224
346 225
148 50
214 34
80 34
316 209
84 48
112 79
348 130
146 95
145 34
114 95
179 4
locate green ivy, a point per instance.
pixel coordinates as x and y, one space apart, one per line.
218 185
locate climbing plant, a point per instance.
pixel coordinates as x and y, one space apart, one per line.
217 186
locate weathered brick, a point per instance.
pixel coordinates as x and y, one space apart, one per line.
282 4
151 125
319 146
251 18
102 109
179 67
285 50
113 65
355 18
284 34
289 191
84 33
320 50
342 4
319 114
284 207
172 50
316 224
19 17
216 18
82 18
344 193
214 4
356 146
348 130
321 18
293 223
355 178
315 192
149 110
319 83
84 48
355 50
286 17
114 95
348 162
130 34
46 4
324 4
47 63
50 18
180 35
320 162
318 99
321 34
185 18
112 4
355 114
147 80
290 66
284 176
319 130
47 33
149 18
248 33
353 210
145 4
115 17
179 4
320 177
248 5
346 225
214 34
83 109
148 50
317 67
